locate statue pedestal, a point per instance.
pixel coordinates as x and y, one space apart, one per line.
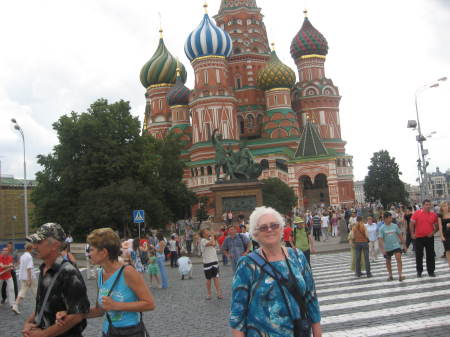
239 197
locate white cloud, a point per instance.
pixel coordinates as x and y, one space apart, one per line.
63 55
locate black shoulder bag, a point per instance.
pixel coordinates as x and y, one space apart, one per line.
138 330
302 325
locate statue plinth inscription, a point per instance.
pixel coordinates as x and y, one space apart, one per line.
240 198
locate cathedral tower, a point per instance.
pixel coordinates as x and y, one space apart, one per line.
315 94
158 76
243 20
213 104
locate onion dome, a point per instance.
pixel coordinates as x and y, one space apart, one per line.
179 94
208 40
162 68
308 41
275 74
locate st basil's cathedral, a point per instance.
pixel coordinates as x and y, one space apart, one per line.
247 93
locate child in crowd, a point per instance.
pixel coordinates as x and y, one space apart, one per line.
184 265
153 269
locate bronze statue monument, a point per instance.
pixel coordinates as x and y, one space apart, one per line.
236 166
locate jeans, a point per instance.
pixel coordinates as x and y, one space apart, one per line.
335 230
189 246
325 233
224 259
409 241
162 271
173 259
9 289
362 246
316 233
428 244
15 289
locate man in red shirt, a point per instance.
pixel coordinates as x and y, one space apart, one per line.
6 264
423 225
287 235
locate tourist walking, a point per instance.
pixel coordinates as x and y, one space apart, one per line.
60 288
423 226
136 256
173 249
122 293
13 253
361 243
153 268
210 262
391 241
230 217
279 274
316 225
188 238
325 223
334 224
444 228
288 236
235 246
407 220
303 238
372 231
27 279
161 260
6 265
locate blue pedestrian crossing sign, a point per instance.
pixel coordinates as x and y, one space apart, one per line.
139 216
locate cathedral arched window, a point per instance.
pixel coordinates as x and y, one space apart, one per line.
160 104
202 171
250 122
241 124
209 170
259 121
238 82
218 75
205 76
275 99
239 21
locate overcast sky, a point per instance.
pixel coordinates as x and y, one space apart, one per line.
59 56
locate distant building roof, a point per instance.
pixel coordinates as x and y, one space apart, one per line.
10 181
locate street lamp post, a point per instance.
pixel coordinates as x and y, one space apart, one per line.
421 138
25 196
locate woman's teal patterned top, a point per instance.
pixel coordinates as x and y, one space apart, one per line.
257 305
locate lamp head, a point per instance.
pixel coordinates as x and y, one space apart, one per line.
412 124
442 79
13 120
435 85
16 127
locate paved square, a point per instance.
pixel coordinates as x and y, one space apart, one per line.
350 306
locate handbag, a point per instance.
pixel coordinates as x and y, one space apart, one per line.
302 325
138 330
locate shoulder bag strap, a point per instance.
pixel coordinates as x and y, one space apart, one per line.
261 263
110 292
300 300
47 294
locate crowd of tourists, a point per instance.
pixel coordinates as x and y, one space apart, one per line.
273 283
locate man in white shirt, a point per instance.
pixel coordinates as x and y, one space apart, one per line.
27 278
325 220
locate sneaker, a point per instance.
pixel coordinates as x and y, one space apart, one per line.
390 278
432 275
15 308
369 275
182 277
419 274
3 301
402 278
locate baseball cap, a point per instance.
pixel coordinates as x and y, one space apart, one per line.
46 231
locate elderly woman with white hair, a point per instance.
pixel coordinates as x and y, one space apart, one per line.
273 292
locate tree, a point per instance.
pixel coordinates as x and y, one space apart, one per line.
102 169
382 182
278 195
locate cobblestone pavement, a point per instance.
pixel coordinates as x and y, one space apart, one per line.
350 306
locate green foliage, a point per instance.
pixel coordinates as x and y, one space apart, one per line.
202 211
102 169
383 180
278 195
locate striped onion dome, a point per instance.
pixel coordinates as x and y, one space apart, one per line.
179 94
275 74
162 68
208 40
308 41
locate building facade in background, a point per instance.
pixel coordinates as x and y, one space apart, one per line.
439 185
243 90
12 221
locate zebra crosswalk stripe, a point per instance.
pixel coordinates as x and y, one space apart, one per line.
360 307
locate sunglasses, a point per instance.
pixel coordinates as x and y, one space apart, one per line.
265 228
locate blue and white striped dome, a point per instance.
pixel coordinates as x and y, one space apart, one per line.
206 40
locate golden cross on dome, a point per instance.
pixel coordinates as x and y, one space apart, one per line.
273 46
305 12
205 6
178 68
160 25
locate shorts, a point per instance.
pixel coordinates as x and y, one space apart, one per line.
390 253
24 288
211 270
